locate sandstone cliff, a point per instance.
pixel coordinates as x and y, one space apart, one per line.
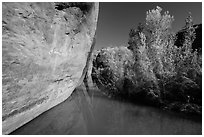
45 47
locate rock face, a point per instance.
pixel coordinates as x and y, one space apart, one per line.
45 51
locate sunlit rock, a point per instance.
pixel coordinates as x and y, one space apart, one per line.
45 47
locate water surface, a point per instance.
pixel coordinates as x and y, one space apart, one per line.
98 114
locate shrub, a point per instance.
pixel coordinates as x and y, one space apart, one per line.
153 47
111 66
163 65
154 69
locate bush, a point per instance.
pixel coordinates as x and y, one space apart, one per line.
174 71
153 47
154 69
111 66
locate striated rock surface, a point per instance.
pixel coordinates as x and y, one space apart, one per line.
45 54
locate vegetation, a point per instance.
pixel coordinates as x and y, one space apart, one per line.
159 70
109 68
176 70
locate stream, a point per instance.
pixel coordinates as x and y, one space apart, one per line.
100 115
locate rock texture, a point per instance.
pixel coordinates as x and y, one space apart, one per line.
45 51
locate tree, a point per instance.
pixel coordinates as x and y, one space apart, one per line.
155 40
158 61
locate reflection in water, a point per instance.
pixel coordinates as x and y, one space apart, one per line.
81 114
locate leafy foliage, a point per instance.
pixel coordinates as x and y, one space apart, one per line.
110 68
153 47
157 70
160 61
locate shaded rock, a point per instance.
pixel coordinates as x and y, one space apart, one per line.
45 49
88 79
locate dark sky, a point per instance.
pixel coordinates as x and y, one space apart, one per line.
117 18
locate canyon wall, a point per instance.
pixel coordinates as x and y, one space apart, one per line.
45 52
